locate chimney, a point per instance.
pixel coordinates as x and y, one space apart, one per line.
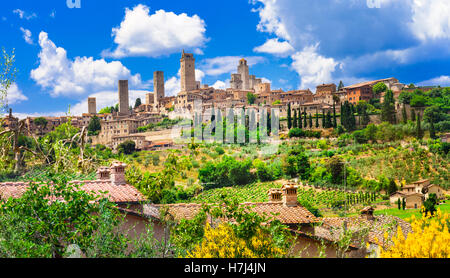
367 213
118 173
290 195
275 195
103 173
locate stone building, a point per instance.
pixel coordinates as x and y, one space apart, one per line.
363 91
243 80
187 72
158 87
92 105
124 106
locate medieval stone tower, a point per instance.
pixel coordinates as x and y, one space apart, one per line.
124 106
187 64
158 86
92 105
244 72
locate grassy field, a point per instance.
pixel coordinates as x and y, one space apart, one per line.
405 214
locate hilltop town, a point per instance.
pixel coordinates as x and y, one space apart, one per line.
345 168
123 125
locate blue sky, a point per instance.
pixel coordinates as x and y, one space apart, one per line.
65 55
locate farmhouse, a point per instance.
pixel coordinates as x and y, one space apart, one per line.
416 193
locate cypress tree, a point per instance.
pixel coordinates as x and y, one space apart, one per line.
310 121
432 131
388 108
317 118
323 119
399 204
413 115
305 124
334 115
404 203
300 118
404 115
419 131
328 122
295 122
289 119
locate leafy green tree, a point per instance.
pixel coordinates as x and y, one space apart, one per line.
7 76
137 103
379 88
33 226
106 110
430 204
251 98
336 167
127 147
296 162
94 125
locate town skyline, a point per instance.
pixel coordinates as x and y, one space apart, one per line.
44 36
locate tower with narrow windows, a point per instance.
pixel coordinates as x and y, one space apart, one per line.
187 71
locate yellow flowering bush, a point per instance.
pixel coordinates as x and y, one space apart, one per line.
222 242
430 239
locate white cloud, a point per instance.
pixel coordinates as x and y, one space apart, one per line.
226 64
22 116
220 85
275 47
78 77
437 81
26 35
199 75
270 21
313 68
172 86
431 19
15 95
162 33
24 15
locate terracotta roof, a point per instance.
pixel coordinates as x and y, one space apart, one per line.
286 215
368 83
332 227
115 193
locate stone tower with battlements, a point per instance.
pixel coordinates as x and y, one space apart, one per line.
158 86
92 105
124 106
187 71
244 72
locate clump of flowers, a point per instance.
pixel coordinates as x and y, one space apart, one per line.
222 242
430 238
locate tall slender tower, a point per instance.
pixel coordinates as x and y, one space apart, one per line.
187 64
158 86
92 105
124 106
244 72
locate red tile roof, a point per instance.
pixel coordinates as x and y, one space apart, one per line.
332 227
115 193
286 215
